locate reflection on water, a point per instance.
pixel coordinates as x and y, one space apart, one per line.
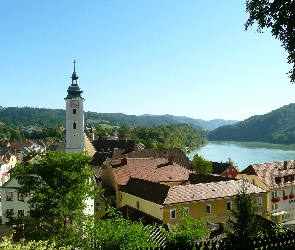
245 153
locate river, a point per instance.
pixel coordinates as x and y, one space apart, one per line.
244 153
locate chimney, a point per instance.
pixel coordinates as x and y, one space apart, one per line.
124 161
285 165
170 160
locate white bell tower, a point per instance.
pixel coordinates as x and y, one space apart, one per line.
74 117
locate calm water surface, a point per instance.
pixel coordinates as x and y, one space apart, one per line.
245 153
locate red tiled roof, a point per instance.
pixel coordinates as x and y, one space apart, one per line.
208 191
151 169
267 172
21 144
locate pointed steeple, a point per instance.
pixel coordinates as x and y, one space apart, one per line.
74 91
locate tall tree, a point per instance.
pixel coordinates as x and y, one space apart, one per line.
201 166
247 225
57 187
279 16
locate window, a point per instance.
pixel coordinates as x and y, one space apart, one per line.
259 201
291 190
120 197
229 206
97 206
74 111
173 213
274 194
282 179
227 170
284 192
274 206
20 196
9 195
20 181
185 211
74 125
208 208
9 212
20 213
289 178
137 204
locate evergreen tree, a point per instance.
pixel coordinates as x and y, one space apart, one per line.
247 224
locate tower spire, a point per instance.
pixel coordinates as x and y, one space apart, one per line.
74 62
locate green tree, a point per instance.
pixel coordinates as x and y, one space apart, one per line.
279 16
233 163
7 244
200 165
56 186
247 225
185 234
115 232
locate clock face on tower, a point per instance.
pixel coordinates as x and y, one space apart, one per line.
74 104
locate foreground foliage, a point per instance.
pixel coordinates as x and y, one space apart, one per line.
118 233
184 235
56 188
279 16
7 244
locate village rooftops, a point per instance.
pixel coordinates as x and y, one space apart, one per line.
165 195
152 169
273 174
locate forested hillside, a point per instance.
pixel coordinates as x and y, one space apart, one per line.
169 136
278 126
15 116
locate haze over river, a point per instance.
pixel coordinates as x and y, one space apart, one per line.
244 153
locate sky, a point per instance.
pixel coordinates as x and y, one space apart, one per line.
183 58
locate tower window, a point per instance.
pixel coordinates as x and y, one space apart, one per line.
74 125
74 111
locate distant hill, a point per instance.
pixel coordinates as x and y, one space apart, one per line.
277 126
56 117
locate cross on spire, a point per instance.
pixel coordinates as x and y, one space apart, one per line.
74 66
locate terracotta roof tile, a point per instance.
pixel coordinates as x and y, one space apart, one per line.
268 172
21 144
207 191
151 169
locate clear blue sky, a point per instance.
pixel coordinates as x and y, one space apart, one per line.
189 58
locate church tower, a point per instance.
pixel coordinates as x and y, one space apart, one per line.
74 117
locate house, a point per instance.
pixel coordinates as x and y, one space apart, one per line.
116 173
7 162
13 202
213 200
279 179
178 156
224 169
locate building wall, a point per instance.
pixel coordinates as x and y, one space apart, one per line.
150 208
254 179
230 172
14 204
219 211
